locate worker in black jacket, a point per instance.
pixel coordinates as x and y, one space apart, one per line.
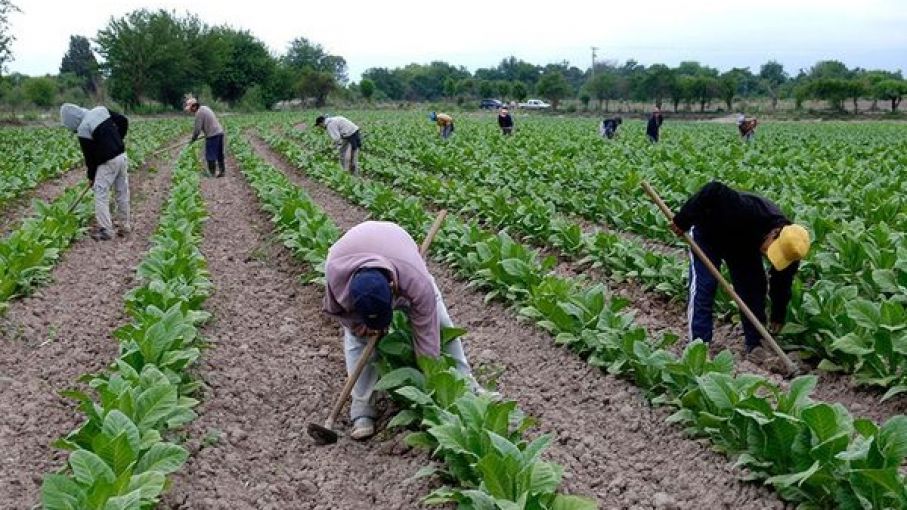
101 133
608 128
505 122
653 126
739 228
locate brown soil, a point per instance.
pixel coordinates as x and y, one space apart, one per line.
275 364
613 445
15 211
61 332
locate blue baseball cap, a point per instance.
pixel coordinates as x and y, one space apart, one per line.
372 298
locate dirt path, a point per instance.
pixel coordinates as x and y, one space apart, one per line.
62 331
12 214
613 446
275 364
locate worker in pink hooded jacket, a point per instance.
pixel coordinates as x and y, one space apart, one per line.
372 270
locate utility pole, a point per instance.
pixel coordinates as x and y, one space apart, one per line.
594 49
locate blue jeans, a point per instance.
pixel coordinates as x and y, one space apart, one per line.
748 278
447 130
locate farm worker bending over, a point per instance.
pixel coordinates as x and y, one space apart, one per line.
346 137
747 127
739 228
505 122
608 128
653 126
445 123
206 122
101 134
370 271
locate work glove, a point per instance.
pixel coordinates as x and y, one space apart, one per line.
677 230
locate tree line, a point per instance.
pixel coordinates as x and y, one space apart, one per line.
155 57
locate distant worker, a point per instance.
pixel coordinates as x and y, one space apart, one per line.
346 138
505 122
372 270
653 126
739 228
747 127
445 124
206 122
101 133
608 127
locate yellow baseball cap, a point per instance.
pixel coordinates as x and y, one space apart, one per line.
791 245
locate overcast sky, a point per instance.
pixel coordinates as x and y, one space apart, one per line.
722 33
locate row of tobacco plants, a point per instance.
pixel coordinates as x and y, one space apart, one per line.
813 453
120 456
487 459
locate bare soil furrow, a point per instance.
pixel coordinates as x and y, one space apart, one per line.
274 364
63 330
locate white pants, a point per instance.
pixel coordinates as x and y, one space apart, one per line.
349 157
353 346
112 174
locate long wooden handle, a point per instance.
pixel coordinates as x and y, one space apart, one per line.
435 227
72 207
791 367
364 359
373 340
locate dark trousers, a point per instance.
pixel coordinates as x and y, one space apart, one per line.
214 152
747 277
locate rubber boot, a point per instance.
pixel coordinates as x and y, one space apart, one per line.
212 165
221 168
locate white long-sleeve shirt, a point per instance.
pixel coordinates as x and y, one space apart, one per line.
339 127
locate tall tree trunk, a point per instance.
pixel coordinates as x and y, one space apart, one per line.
774 102
676 102
855 107
606 106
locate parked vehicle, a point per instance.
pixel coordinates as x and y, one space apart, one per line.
490 104
535 104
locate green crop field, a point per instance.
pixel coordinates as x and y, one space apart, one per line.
566 282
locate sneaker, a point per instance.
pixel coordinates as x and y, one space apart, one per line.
363 428
100 235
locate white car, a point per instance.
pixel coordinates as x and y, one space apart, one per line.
535 104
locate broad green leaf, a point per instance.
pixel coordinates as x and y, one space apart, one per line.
568 502
87 467
162 457
59 492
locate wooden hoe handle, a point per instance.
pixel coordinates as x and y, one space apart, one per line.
788 364
373 340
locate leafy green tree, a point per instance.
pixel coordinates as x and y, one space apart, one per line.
303 54
154 55
772 76
554 87
704 89
657 83
602 87
584 98
833 90
520 91
40 91
891 90
388 82
450 87
682 91
79 61
503 88
6 39
244 62
316 84
486 88
829 69
367 89
727 88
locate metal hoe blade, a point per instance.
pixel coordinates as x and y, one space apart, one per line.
322 435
